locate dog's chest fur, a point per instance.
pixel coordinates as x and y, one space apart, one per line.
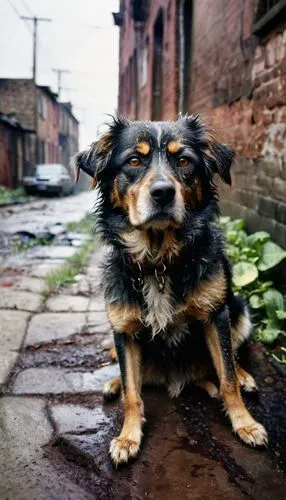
160 310
158 305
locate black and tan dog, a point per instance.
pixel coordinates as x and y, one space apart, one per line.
167 281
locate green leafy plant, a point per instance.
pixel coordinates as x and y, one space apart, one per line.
251 256
8 195
281 359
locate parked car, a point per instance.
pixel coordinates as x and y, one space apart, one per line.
49 178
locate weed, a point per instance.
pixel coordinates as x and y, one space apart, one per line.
85 225
252 255
66 274
21 244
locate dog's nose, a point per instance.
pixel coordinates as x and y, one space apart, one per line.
162 192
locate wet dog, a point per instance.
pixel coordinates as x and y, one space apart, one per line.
167 280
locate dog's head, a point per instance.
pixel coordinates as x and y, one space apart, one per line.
156 172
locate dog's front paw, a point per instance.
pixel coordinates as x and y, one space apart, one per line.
253 434
123 449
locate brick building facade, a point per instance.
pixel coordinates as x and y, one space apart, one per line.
68 133
47 126
227 61
37 109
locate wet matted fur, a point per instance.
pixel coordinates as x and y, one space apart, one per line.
167 280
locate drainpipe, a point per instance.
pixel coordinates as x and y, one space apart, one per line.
138 31
181 56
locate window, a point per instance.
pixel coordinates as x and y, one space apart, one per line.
139 10
144 64
42 107
39 106
44 112
268 14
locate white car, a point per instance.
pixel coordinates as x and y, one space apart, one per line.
49 178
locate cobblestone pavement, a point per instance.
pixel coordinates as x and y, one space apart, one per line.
55 430
45 212
46 217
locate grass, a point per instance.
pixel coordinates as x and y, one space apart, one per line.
7 195
85 225
66 274
19 245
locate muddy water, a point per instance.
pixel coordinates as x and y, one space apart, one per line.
188 449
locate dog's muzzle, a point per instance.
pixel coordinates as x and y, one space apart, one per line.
162 193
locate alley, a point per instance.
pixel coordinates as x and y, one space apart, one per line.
74 77
45 214
55 429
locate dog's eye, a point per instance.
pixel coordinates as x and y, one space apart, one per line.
183 161
134 162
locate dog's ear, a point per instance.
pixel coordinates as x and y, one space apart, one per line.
218 157
221 157
93 160
83 161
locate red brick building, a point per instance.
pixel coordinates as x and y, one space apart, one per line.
48 125
227 61
12 150
68 133
51 130
36 108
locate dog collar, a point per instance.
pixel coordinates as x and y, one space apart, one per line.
141 273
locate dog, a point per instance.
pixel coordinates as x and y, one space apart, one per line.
167 280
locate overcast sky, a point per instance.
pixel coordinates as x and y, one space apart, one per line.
81 38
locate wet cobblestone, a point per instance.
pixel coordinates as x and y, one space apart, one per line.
55 430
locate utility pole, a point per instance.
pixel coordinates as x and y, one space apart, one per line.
59 74
35 20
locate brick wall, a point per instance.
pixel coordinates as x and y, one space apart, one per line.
127 94
246 106
48 125
69 133
18 95
238 85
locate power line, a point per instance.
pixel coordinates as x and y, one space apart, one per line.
27 7
70 21
14 8
32 32
18 14
65 21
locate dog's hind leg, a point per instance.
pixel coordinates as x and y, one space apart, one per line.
209 387
241 329
112 389
240 332
218 337
245 380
